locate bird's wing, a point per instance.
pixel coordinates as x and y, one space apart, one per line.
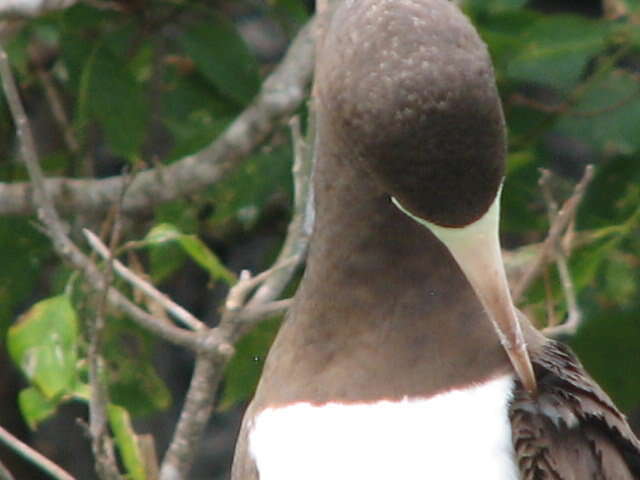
571 430
244 467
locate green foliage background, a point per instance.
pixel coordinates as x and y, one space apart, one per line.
154 81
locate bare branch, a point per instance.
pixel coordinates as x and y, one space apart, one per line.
180 313
562 220
55 103
101 442
237 296
297 241
570 326
253 314
196 411
34 457
281 94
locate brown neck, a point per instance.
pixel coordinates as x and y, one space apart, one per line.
383 310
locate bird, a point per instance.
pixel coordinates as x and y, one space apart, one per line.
403 355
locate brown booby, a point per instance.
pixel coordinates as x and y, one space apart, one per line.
403 356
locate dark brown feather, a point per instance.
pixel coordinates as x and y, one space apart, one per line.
571 430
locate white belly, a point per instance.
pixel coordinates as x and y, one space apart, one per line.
461 434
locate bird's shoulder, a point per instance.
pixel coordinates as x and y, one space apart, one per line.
571 429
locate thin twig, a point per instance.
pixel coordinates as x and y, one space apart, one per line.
574 318
180 313
102 444
34 457
281 94
237 296
195 413
56 104
566 108
297 240
254 314
556 230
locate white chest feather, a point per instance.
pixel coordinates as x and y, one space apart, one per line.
457 435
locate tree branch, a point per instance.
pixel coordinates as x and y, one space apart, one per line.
571 324
281 94
196 411
180 313
106 465
562 220
34 457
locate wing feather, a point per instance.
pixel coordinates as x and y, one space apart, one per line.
570 430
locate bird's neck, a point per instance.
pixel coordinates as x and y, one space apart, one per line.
378 285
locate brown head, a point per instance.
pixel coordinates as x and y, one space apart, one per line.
410 91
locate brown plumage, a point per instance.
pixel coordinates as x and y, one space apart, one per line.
407 107
571 430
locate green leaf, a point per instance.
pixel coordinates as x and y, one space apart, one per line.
109 92
133 380
195 113
164 260
127 442
44 344
291 11
124 434
23 252
242 195
607 116
194 247
557 50
223 58
621 280
519 193
35 407
503 34
243 371
607 344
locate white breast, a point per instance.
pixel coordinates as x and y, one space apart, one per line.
461 434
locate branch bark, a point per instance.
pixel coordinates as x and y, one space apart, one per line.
39 460
561 221
574 318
